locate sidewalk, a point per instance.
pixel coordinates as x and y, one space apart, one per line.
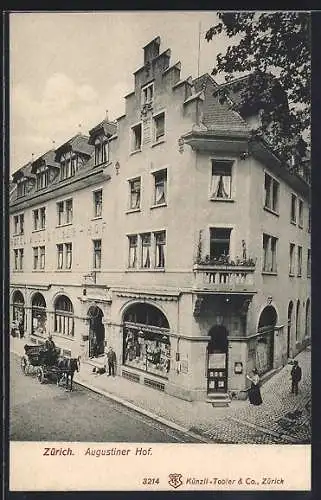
282 418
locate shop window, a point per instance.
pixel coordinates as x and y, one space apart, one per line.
147 350
292 250
64 316
219 243
38 315
159 127
293 208
136 139
160 187
221 179
269 253
271 188
97 254
98 203
134 194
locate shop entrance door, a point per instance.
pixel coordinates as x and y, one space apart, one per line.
96 332
217 360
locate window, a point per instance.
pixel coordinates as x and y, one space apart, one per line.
134 195
98 203
293 208
299 261
42 178
136 137
18 259
309 264
21 189
147 94
219 243
38 258
292 249
18 222
39 218
68 165
160 242
145 250
64 256
64 316
101 151
160 187
309 220
269 253
221 179
300 213
97 254
132 258
159 127
64 210
271 188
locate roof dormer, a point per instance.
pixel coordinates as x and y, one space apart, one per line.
99 137
45 169
72 155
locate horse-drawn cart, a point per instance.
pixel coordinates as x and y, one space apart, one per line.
48 366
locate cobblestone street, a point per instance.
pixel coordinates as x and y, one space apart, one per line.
282 418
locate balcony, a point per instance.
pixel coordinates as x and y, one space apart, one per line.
236 278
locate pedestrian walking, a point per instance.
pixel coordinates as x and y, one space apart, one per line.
296 375
254 392
111 362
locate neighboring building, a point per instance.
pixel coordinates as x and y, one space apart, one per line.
173 235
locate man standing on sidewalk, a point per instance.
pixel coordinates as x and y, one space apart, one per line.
296 374
111 361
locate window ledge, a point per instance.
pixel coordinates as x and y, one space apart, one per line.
64 225
63 270
132 210
270 273
149 270
17 270
291 275
99 217
18 234
38 270
271 211
160 141
136 151
38 230
293 222
158 205
299 275
215 198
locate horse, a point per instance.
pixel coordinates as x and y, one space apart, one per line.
67 368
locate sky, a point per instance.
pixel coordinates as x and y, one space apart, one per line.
68 68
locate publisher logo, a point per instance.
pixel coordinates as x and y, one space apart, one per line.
175 480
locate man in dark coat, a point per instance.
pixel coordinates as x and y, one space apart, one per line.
111 361
296 374
51 353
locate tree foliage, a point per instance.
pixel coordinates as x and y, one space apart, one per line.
271 43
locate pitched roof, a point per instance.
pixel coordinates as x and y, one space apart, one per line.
78 143
217 116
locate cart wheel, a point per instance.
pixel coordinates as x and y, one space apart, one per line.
24 365
40 375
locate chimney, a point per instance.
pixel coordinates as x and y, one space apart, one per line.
151 50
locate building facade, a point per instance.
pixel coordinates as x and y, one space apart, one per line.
171 235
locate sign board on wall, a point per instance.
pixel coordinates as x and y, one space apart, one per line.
217 360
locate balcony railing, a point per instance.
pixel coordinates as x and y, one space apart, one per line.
229 278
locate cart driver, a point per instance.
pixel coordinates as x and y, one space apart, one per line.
50 348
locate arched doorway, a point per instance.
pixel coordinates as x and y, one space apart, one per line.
217 359
297 321
308 319
64 316
18 314
265 341
290 312
146 341
96 332
38 315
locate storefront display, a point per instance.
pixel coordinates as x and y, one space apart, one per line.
147 350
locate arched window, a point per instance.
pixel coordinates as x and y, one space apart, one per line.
289 333
17 298
265 342
146 339
297 321
64 316
38 314
308 319
18 311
